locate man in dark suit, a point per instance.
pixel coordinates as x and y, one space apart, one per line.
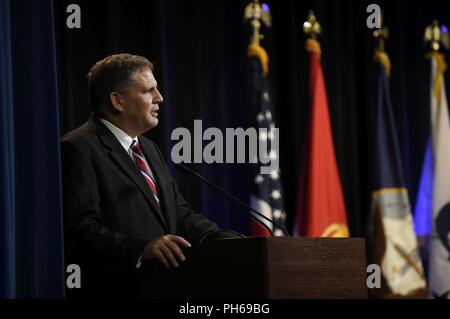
121 206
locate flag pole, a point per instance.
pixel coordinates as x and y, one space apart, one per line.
393 244
311 27
321 208
258 15
439 284
436 36
382 34
269 203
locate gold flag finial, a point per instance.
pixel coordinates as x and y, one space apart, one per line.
436 35
311 27
382 34
257 13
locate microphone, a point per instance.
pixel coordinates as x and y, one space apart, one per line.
184 169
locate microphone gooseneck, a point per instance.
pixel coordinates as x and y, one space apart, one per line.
183 168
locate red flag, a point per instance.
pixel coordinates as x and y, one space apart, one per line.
321 208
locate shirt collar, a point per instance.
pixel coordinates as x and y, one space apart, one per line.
124 139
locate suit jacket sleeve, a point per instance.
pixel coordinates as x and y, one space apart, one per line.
83 232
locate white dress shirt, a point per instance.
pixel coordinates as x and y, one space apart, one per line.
125 140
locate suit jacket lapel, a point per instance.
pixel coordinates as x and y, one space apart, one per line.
118 153
161 183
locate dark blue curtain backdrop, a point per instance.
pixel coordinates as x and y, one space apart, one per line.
31 240
199 49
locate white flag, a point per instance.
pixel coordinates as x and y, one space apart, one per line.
439 269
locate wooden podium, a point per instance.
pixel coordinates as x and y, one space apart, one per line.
280 267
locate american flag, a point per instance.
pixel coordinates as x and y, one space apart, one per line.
266 196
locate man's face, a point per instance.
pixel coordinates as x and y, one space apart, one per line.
140 102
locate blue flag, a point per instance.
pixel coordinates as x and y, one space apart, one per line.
393 241
424 201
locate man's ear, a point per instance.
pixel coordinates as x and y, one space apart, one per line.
116 100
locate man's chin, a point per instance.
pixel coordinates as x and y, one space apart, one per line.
153 123
149 125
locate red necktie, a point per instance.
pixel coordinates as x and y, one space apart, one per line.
138 157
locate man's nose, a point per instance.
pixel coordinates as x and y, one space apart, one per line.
158 98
